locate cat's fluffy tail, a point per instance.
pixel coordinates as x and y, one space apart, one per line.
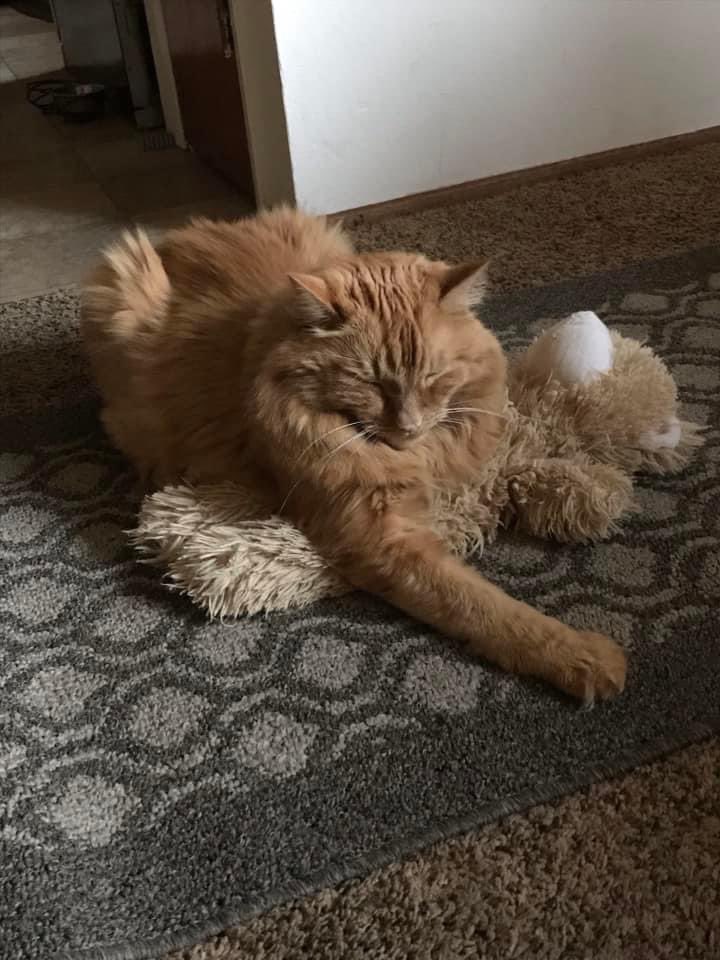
129 292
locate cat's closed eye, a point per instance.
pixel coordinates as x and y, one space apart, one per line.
369 380
377 382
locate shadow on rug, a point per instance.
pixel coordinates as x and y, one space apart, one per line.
162 777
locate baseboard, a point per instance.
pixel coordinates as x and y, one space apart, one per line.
489 186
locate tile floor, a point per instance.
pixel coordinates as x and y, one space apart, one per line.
28 47
67 189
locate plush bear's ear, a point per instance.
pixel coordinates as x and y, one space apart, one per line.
463 286
314 303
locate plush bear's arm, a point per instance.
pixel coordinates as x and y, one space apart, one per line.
567 500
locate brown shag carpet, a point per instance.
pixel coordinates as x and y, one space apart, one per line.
628 869
573 225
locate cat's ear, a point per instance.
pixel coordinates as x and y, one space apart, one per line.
314 302
463 286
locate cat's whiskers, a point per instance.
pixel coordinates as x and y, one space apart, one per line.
290 492
360 435
503 416
354 423
490 413
357 436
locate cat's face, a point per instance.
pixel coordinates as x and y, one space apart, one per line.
393 347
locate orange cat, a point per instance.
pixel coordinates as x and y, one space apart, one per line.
343 388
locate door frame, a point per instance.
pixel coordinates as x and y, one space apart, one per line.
164 71
256 56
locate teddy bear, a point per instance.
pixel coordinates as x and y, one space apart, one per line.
587 409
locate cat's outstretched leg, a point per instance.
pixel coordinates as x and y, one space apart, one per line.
390 554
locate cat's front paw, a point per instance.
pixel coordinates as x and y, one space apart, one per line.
590 667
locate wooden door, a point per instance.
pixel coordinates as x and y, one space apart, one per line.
202 51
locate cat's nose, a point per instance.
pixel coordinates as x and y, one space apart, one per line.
409 422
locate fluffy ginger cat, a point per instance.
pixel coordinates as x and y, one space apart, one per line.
343 388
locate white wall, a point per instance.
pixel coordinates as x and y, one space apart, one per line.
385 98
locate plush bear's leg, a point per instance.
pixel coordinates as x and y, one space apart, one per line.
569 501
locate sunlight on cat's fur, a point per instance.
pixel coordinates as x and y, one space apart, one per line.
343 388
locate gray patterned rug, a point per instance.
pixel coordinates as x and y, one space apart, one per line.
161 777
